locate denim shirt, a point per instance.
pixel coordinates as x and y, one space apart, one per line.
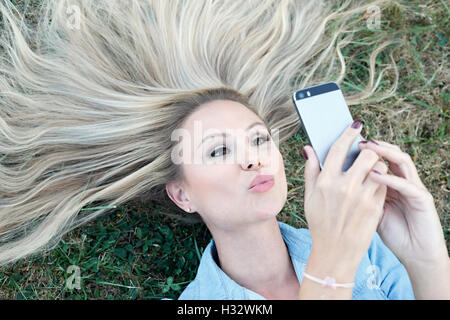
380 275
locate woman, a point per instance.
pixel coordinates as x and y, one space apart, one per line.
252 256
92 94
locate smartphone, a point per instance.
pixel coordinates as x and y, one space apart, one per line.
324 115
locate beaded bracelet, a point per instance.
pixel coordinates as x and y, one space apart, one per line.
329 282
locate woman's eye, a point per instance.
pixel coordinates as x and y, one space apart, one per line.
263 138
218 149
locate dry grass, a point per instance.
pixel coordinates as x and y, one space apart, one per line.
416 117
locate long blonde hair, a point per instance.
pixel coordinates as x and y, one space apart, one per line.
91 92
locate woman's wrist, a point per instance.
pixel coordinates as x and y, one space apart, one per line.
436 266
430 280
322 266
437 261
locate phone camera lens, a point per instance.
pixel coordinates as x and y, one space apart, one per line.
301 95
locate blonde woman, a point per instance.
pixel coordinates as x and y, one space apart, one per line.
92 95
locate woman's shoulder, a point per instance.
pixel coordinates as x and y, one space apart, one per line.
381 273
300 234
209 281
379 253
191 292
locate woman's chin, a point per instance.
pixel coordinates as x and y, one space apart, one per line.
266 213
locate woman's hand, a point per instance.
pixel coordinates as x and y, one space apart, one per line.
410 224
342 209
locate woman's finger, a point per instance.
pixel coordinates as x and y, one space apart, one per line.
312 169
361 167
401 185
384 143
376 191
394 155
373 188
380 196
379 166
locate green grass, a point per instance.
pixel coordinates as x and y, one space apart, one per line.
136 252
127 254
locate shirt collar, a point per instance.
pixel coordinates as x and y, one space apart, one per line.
298 245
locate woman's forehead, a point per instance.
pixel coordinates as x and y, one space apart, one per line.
222 115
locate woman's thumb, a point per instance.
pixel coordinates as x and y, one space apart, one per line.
312 168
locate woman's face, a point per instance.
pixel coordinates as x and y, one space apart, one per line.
217 171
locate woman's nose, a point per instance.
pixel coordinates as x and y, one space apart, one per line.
253 165
251 159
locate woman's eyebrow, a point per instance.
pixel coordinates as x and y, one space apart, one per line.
225 134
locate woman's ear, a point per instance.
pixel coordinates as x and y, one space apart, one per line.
176 192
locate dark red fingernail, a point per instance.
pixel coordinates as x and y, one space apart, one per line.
363 142
375 171
356 124
305 155
373 142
